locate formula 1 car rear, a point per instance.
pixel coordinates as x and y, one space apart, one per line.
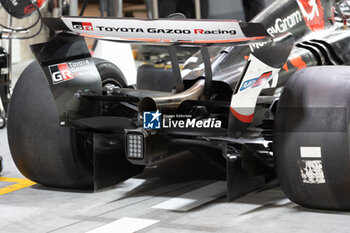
260 99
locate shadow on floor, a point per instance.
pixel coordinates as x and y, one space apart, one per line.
178 169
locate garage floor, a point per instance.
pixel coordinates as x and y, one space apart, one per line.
170 197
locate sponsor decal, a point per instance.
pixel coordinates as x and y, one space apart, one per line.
152 120
69 70
60 73
248 84
163 30
313 14
83 26
256 82
256 46
119 29
284 24
262 79
202 31
281 25
189 31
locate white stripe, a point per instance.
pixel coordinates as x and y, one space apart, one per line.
310 152
194 198
185 72
192 60
125 225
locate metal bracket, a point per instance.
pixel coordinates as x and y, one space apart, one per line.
179 86
208 71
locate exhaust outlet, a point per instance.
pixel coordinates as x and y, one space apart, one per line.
170 103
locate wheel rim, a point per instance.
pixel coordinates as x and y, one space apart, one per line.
108 82
109 85
2 122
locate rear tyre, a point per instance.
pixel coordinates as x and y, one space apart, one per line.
311 138
42 150
111 75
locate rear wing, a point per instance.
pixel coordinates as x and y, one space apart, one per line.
162 31
70 70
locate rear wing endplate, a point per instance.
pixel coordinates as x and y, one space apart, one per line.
162 31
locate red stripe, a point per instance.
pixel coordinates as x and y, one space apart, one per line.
243 118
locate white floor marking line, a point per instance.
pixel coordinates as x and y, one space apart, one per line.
131 184
194 198
310 152
125 225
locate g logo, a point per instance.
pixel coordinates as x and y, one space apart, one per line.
77 26
57 77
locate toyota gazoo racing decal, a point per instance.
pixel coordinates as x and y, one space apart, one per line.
313 14
60 73
256 77
165 30
69 70
82 26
